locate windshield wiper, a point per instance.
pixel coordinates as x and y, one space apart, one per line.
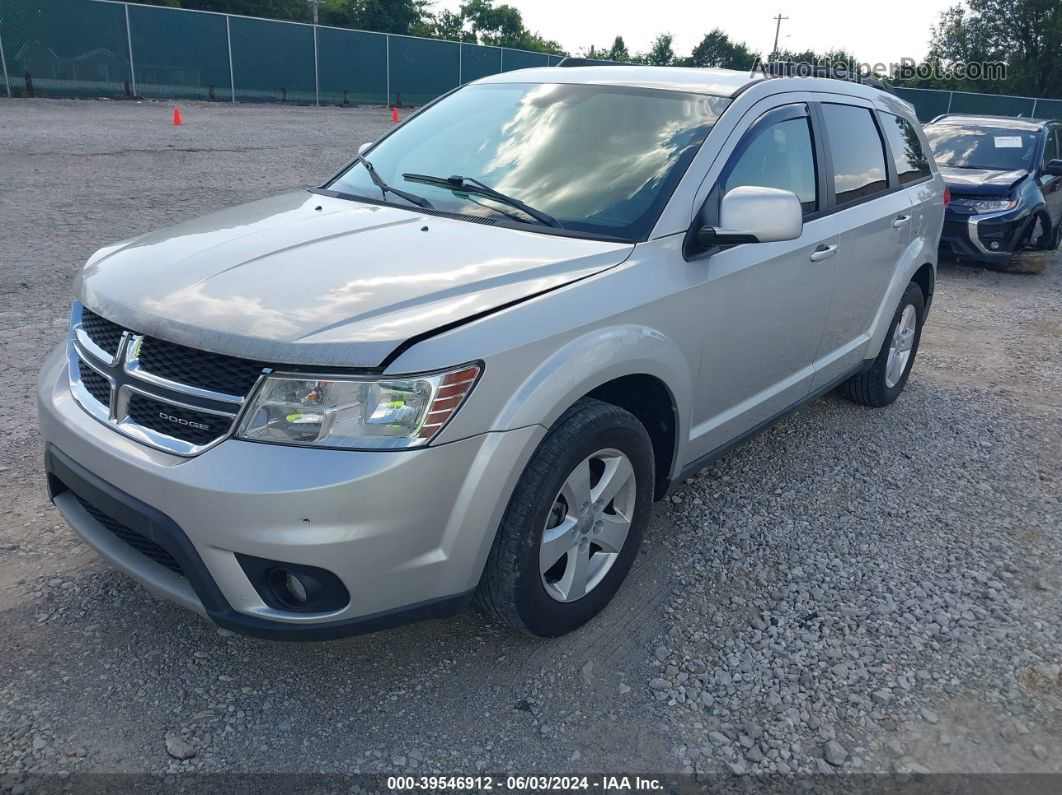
460 184
378 181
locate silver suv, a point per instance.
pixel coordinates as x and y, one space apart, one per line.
467 365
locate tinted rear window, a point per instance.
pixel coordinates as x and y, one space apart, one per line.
911 161
857 152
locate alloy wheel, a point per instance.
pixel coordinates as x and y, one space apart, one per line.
903 337
587 525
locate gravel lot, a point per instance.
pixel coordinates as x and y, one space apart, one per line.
853 591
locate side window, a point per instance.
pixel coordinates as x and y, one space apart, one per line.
777 155
911 161
857 151
1051 147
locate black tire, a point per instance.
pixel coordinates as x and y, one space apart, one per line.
511 587
870 387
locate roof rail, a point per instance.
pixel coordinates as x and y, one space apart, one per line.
569 61
794 69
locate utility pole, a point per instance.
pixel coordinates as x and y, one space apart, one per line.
777 29
313 5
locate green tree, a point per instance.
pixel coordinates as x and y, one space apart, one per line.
451 26
618 51
1026 35
503 26
661 53
716 49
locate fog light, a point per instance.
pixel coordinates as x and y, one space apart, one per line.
994 245
294 587
288 587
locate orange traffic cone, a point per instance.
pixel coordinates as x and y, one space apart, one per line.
394 114
177 117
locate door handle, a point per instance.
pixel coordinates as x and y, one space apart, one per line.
823 252
900 221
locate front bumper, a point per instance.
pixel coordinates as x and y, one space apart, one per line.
406 532
986 237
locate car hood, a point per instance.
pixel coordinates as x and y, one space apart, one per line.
981 181
308 279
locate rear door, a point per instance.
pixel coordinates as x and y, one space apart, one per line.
876 216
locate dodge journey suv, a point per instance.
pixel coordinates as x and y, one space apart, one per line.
466 366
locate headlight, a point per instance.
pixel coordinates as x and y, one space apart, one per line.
355 413
985 205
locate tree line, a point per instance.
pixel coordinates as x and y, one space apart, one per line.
1026 35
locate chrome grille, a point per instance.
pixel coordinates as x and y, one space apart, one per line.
210 371
97 386
168 396
101 331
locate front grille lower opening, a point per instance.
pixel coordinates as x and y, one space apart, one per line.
142 544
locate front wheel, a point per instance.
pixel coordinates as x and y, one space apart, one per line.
574 523
884 381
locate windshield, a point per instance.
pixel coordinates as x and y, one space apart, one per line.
998 149
598 159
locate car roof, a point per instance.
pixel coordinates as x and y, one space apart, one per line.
1007 122
717 82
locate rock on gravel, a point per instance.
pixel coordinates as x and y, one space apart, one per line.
178 748
834 753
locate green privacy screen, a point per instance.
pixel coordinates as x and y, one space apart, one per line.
991 105
518 59
422 69
352 67
478 61
928 104
1049 108
178 54
65 48
272 61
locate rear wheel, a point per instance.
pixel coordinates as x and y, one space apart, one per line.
885 380
574 523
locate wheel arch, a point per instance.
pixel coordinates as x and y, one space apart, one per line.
634 367
925 277
651 402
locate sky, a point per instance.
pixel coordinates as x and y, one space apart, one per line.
873 32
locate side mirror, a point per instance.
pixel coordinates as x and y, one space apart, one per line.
365 147
755 215
1054 168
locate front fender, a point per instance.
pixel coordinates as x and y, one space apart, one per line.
591 360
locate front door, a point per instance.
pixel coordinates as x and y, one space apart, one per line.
766 302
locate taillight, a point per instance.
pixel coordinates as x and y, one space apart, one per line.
947 195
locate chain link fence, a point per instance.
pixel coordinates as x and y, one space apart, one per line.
103 48
930 103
